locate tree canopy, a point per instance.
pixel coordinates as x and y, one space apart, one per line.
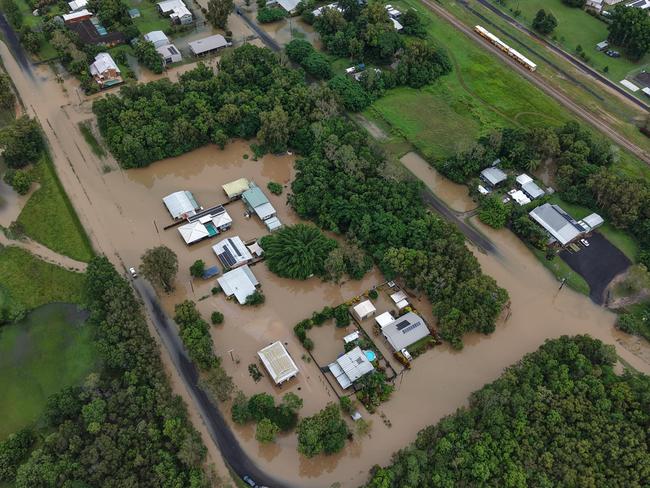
630 29
560 417
297 251
160 265
324 432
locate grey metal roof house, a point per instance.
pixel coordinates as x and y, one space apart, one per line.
232 252
493 176
529 187
558 223
170 53
405 330
157 38
257 202
350 367
207 44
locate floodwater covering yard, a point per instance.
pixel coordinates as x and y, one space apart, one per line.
51 349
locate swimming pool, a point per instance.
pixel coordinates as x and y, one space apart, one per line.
370 355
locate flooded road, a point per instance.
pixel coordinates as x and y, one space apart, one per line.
454 195
124 215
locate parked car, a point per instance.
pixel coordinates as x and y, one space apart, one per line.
249 481
134 273
585 242
613 54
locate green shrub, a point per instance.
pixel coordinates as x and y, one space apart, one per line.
342 316
256 298
275 188
266 15
373 294
216 318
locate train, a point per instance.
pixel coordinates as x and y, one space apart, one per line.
513 53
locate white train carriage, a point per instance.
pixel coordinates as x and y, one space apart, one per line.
513 53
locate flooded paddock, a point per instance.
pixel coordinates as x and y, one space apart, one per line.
124 215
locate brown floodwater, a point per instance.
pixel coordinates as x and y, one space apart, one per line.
124 215
454 195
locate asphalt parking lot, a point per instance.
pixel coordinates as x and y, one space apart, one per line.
598 264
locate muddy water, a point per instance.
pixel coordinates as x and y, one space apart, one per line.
284 31
124 215
455 196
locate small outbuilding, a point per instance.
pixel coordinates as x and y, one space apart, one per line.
181 204
77 5
350 367
239 282
519 197
77 16
405 330
256 201
400 299
273 224
493 176
278 362
232 252
384 319
208 45
592 222
364 310
529 187
234 189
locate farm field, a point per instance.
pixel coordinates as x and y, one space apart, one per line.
48 216
576 27
51 349
27 282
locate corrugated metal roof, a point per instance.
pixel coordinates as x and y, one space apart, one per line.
405 330
278 362
557 222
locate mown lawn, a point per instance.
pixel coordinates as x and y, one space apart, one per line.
149 19
621 239
49 218
50 350
576 27
481 93
27 282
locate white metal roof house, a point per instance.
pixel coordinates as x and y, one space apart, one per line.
288 5
384 319
157 38
278 362
232 252
104 71
364 310
77 5
493 176
405 330
181 204
559 224
240 283
177 11
529 187
169 53
208 44
350 367
193 232
77 16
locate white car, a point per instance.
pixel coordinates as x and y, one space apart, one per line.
134 273
585 242
249 481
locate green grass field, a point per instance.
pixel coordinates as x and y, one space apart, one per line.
621 239
576 27
149 19
561 270
27 282
49 218
49 350
479 94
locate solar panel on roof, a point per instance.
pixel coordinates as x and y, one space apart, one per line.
227 258
234 246
402 324
409 328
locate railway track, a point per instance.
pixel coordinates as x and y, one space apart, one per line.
559 96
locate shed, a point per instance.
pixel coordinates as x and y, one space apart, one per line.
181 204
273 224
350 367
629 85
601 46
210 272
364 310
232 252
77 5
593 221
522 179
257 201
234 189
278 362
157 38
405 330
532 190
351 337
239 282
646 90
208 44
400 299
519 197
493 176
134 13
384 319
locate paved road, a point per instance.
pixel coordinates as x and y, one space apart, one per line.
11 39
219 429
595 121
588 70
268 40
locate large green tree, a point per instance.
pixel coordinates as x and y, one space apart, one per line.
297 251
274 129
218 12
160 265
22 142
324 432
630 28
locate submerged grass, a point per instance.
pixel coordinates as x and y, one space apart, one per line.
562 271
88 135
49 218
39 356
